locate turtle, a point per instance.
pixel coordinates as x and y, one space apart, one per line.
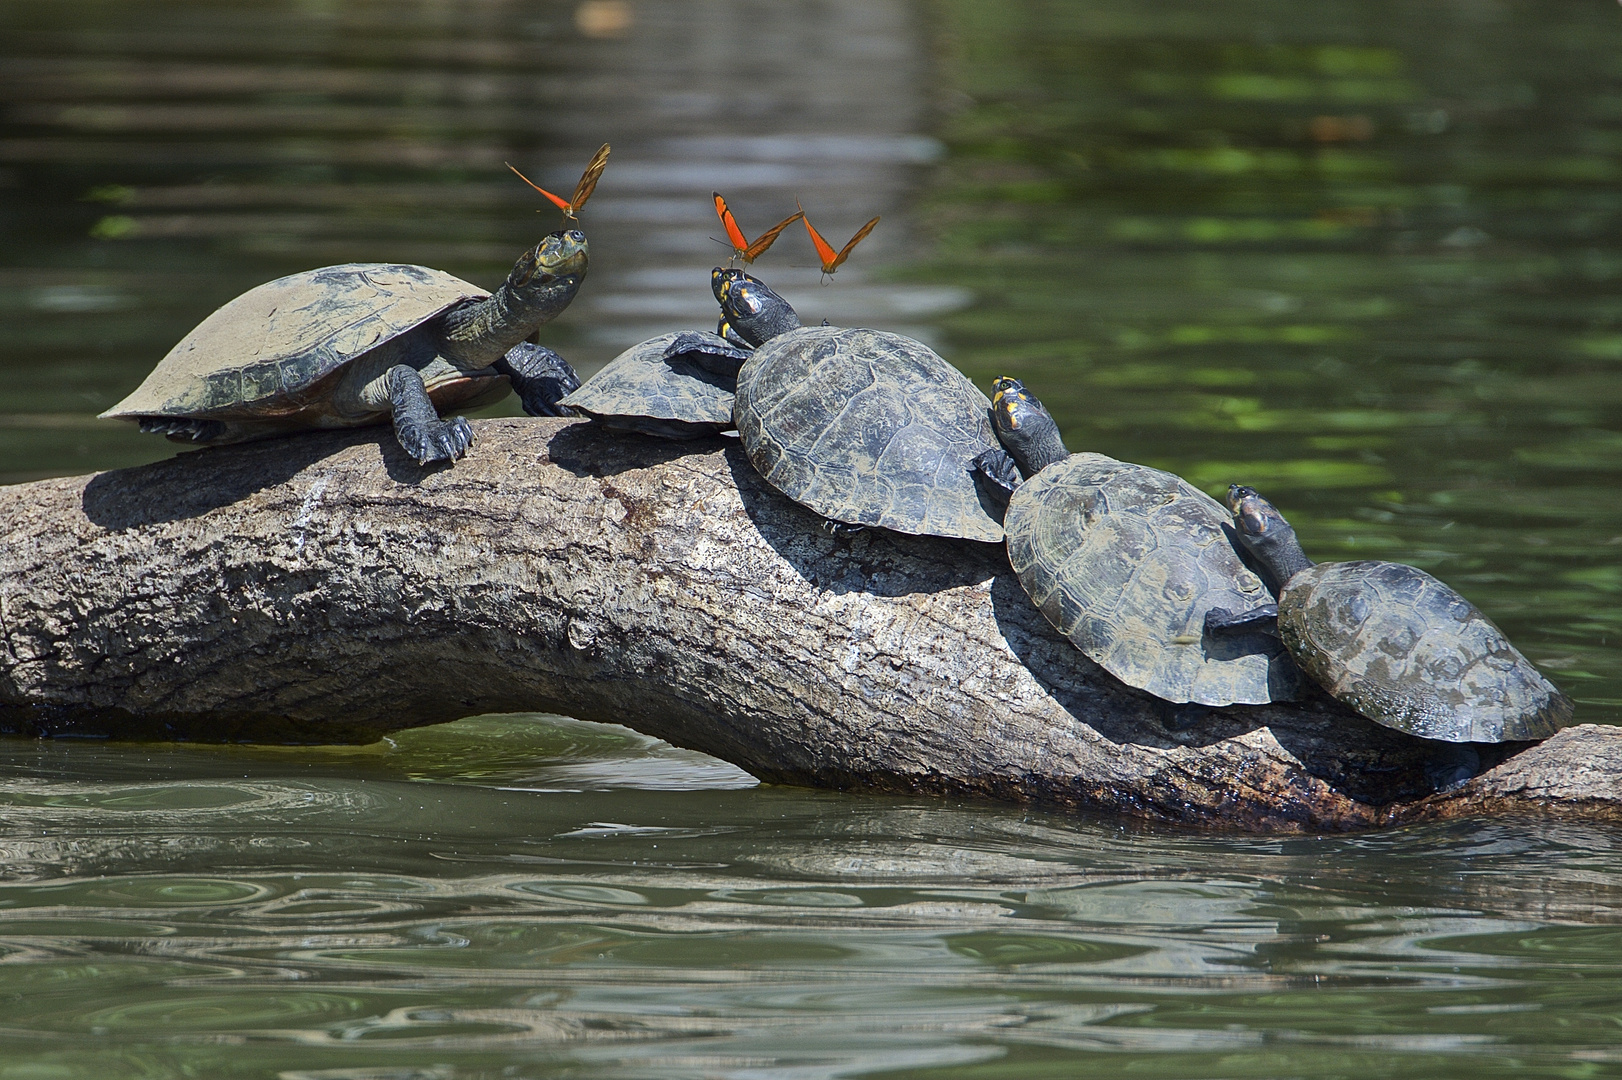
657 390
1125 561
356 344
1391 641
863 427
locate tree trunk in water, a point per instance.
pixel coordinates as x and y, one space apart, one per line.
324 588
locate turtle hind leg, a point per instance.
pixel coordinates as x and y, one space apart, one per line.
540 377
183 428
840 530
417 425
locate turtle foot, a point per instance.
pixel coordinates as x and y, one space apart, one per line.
442 440
540 377
709 351
1261 619
182 429
841 529
1000 473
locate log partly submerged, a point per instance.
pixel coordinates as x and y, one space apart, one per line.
324 588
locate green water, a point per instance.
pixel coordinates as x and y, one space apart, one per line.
1362 255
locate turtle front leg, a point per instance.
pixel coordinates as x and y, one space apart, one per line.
540 377
417 424
1262 619
711 352
999 471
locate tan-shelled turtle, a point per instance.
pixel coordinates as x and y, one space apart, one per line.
359 344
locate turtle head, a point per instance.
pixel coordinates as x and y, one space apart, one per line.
546 278
555 265
1264 533
722 278
1254 518
539 287
749 308
1024 426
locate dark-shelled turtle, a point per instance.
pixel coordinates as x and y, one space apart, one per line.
656 391
1126 560
865 428
352 345
1393 642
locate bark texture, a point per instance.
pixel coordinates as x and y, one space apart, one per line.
325 588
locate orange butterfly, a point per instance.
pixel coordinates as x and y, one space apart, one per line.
742 249
825 251
582 190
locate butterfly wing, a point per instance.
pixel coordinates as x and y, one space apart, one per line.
844 253
730 224
825 250
588 179
769 237
559 203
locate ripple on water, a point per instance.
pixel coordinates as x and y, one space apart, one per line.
215 1008
134 892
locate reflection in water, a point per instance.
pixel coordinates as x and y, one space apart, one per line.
1362 253
337 914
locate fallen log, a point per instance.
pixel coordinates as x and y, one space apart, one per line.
325 588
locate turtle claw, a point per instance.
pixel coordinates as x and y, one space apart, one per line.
454 437
841 530
443 440
182 429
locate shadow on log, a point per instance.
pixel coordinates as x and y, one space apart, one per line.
324 588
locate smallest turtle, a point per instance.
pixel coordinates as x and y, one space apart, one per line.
664 386
1393 642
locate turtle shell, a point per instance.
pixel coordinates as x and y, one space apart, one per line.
642 391
1126 560
868 428
269 351
1408 652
